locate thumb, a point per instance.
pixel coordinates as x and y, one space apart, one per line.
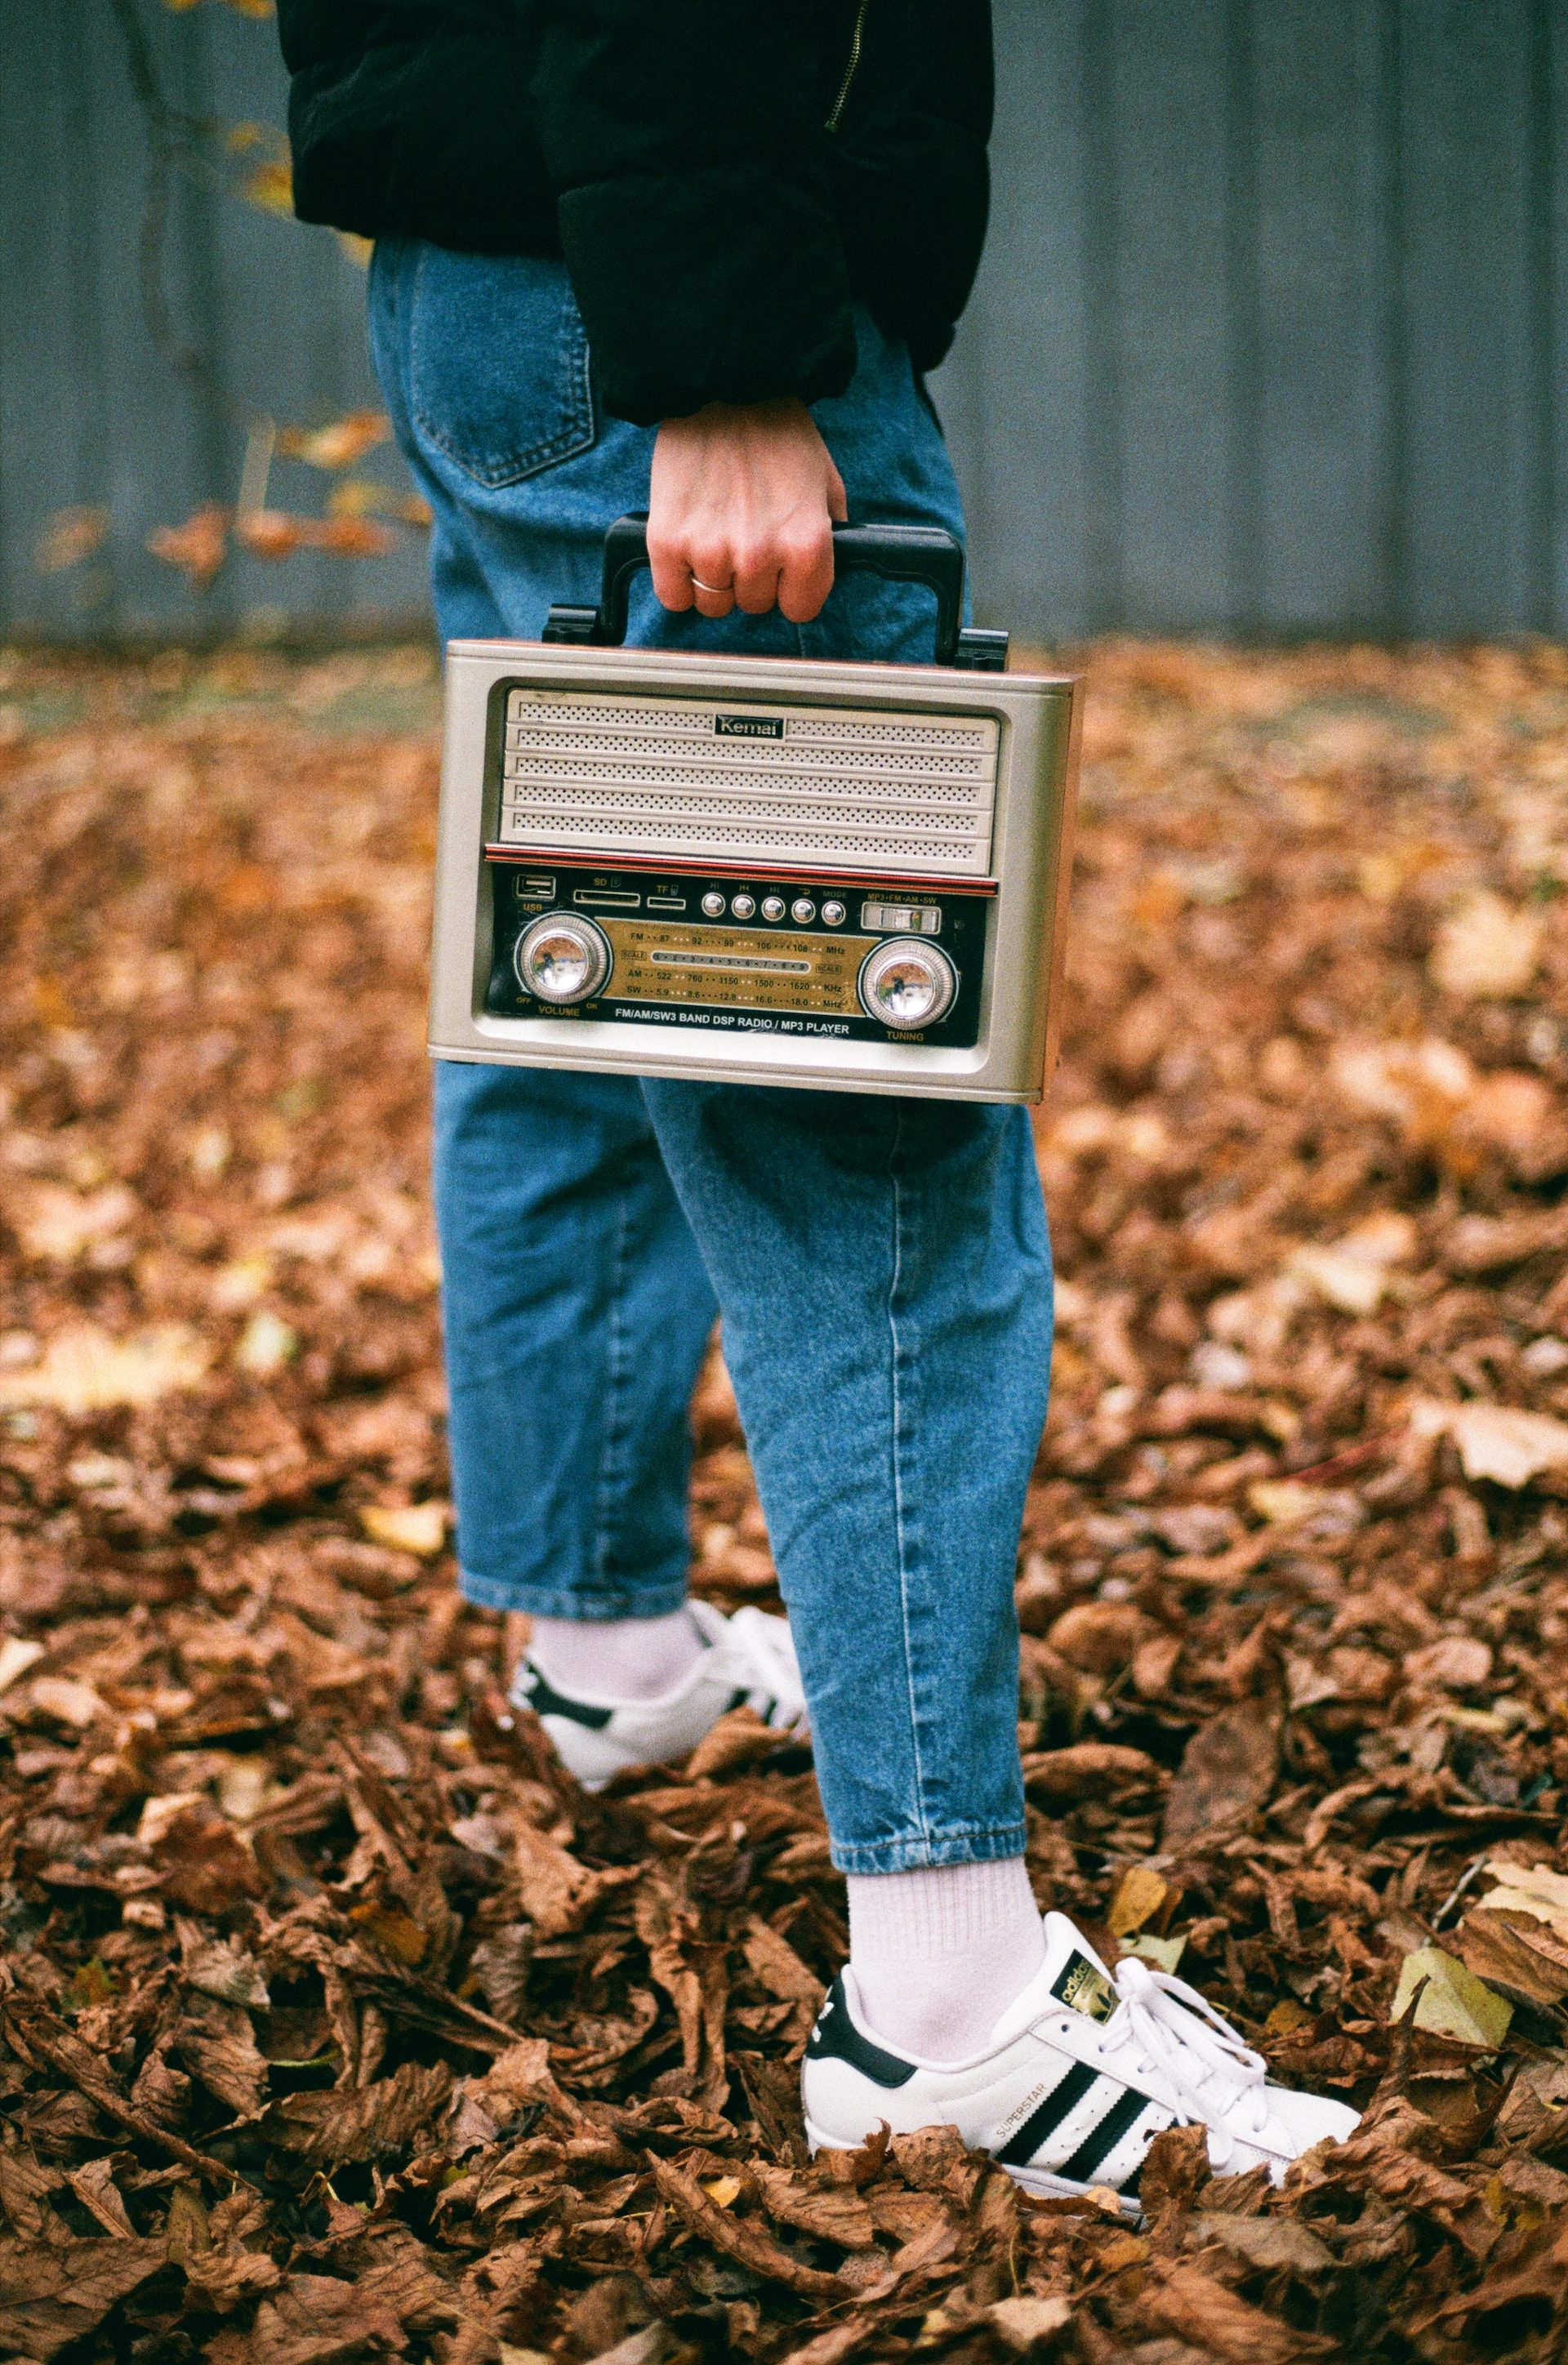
837 501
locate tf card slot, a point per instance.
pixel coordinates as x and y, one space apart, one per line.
607 899
666 902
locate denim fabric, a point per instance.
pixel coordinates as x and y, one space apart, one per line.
882 1267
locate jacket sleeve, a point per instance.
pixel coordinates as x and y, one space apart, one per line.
684 142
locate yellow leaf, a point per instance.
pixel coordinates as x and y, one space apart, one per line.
270 186
1535 1890
397 1934
1140 1893
210 1153
1352 1273
57 1226
82 1369
407 1527
77 1705
1497 1442
1282 1500
1487 950
1286 2017
16 1657
338 445
725 2189
1453 2001
268 1344
1163 1952
160 1813
239 1284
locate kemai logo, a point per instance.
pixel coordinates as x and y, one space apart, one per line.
749 726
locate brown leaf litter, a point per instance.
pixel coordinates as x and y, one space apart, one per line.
336 2023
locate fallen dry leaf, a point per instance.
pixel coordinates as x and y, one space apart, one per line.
1291 1688
83 1370
1497 1441
1487 947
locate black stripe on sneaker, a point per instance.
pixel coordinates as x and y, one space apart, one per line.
1102 2140
540 1696
1065 2096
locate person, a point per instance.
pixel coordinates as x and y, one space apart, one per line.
698 258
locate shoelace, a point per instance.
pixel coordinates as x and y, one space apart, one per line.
1173 2026
756 1655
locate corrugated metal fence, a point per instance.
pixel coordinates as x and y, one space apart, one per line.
1269 335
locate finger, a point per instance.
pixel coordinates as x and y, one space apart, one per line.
756 577
805 575
713 570
838 498
671 573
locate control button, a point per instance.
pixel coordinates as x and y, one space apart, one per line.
802 908
743 906
833 912
562 958
773 907
713 903
907 985
911 919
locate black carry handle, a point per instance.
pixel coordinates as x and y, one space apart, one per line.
903 553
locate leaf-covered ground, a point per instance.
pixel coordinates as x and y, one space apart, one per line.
336 2025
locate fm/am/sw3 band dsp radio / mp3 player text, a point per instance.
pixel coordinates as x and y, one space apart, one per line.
757 871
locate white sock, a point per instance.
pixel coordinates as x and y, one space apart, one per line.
612 1661
939 1955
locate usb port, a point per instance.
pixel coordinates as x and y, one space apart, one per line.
607 899
537 883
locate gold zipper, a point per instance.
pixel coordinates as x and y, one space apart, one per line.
852 69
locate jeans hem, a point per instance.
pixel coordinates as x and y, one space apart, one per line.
989 1843
585 1606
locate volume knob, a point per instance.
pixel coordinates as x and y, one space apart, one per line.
907 985
561 959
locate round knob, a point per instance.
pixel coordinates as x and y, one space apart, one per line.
713 902
743 906
562 958
773 907
907 985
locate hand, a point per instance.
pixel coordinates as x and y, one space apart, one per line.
743 498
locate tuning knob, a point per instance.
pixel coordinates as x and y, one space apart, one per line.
907 985
561 959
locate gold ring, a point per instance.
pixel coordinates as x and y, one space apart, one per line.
714 590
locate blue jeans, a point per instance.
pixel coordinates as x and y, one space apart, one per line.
880 1266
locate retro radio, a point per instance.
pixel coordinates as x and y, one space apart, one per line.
756 870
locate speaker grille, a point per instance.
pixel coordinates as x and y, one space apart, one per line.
816 787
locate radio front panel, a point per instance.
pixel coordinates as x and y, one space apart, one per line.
755 871
771 954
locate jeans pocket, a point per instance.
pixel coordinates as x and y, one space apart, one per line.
498 363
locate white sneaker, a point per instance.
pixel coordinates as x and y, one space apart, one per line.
747 1660
1080 2075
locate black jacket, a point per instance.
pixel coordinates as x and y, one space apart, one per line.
724 177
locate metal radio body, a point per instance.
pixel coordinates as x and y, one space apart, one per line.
756 870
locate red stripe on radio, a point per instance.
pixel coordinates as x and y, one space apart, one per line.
577 861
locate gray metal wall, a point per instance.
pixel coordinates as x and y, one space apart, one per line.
1270 336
